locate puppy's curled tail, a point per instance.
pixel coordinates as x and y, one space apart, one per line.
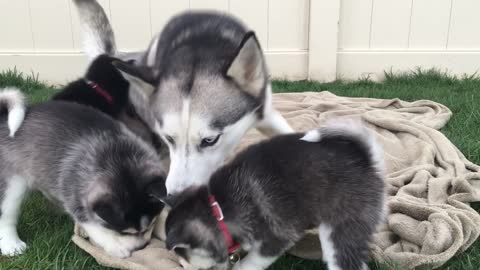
13 100
98 36
351 128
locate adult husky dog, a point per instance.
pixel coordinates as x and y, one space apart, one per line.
201 85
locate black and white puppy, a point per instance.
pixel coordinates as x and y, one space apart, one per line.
330 179
103 176
104 88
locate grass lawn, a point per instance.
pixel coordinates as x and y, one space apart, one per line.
47 231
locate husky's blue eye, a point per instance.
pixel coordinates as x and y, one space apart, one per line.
206 142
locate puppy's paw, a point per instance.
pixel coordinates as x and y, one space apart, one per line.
124 246
119 252
133 242
11 246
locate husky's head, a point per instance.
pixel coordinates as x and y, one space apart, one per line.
192 230
201 85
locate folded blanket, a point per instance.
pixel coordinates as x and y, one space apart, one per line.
430 182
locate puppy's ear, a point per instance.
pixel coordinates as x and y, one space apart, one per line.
248 69
140 77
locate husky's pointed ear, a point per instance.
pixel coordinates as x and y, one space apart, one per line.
141 77
248 67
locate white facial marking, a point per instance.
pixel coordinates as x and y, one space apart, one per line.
191 164
328 249
115 244
10 243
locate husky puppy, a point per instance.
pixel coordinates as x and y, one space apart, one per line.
104 88
201 85
101 174
271 193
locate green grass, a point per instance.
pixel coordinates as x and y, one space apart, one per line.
47 231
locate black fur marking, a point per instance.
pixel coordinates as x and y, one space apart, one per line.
106 75
103 73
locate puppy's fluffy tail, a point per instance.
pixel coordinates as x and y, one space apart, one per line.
354 129
98 37
13 100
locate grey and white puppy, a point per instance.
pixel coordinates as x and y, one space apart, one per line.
330 179
201 85
101 174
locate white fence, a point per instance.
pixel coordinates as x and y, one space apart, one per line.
317 39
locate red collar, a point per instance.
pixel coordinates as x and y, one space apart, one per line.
217 212
100 91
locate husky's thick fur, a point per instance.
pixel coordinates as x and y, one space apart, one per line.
201 85
102 175
270 194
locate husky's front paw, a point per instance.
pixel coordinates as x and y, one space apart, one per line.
11 246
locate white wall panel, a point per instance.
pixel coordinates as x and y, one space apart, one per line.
465 25
254 13
51 25
131 23
355 23
15 26
390 24
429 26
288 24
301 38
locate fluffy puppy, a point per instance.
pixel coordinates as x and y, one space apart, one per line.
263 201
100 173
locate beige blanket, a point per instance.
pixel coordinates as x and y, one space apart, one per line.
431 182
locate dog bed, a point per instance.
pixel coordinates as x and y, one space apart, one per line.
431 183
